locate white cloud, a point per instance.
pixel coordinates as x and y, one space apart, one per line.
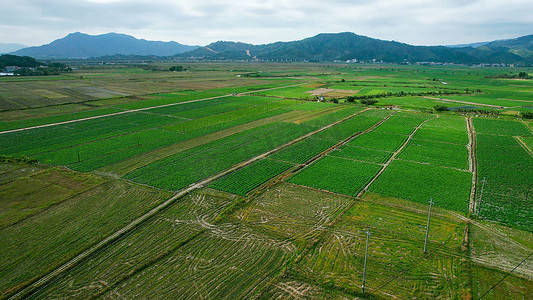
263 21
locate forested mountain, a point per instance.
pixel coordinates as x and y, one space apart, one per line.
347 46
80 45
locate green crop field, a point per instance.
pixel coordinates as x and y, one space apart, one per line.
508 169
364 154
436 153
449 188
258 180
339 175
250 177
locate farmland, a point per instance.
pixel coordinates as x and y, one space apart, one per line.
118 182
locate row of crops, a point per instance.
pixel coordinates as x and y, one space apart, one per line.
349 169
91 144
430 166
177 171
508 170
248 178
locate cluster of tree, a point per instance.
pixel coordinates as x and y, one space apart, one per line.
19 61
440 108
41 71
478 111
404 94
366 101
178 68
29 66
526 114
521 75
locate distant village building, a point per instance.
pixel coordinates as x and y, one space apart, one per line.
11 69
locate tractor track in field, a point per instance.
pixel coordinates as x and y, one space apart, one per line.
39 282
524 145
143 109
473 163
391 159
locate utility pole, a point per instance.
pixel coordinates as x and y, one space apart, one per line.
366 256
427 226
481 196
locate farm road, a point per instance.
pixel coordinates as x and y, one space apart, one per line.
144 108
472 204
24 293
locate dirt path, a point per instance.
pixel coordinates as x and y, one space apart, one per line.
473 164
108 240
393 157
144 108
465 102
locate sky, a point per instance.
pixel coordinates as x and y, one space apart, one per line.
200 22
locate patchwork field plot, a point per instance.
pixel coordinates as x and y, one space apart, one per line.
62 213
184 253
436 153
402 123
338 175
246 179
187 232
444 129
449 188
380 141
363 154
508 169
339 258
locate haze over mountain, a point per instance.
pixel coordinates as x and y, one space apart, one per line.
10 47
347 46
81 45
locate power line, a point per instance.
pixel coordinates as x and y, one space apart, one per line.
509 273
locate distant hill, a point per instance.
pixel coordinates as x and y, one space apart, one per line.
80 45
473 45
10 47
19 61
347 46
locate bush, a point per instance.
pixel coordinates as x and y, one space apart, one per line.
526 114
369 101
440 108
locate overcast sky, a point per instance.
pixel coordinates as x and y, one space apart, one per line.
200 22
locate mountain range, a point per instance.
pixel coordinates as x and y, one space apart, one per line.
81 45
322 47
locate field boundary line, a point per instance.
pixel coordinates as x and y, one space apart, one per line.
472 204
119 233
465 102
524 145
393 157
142 109
298 167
